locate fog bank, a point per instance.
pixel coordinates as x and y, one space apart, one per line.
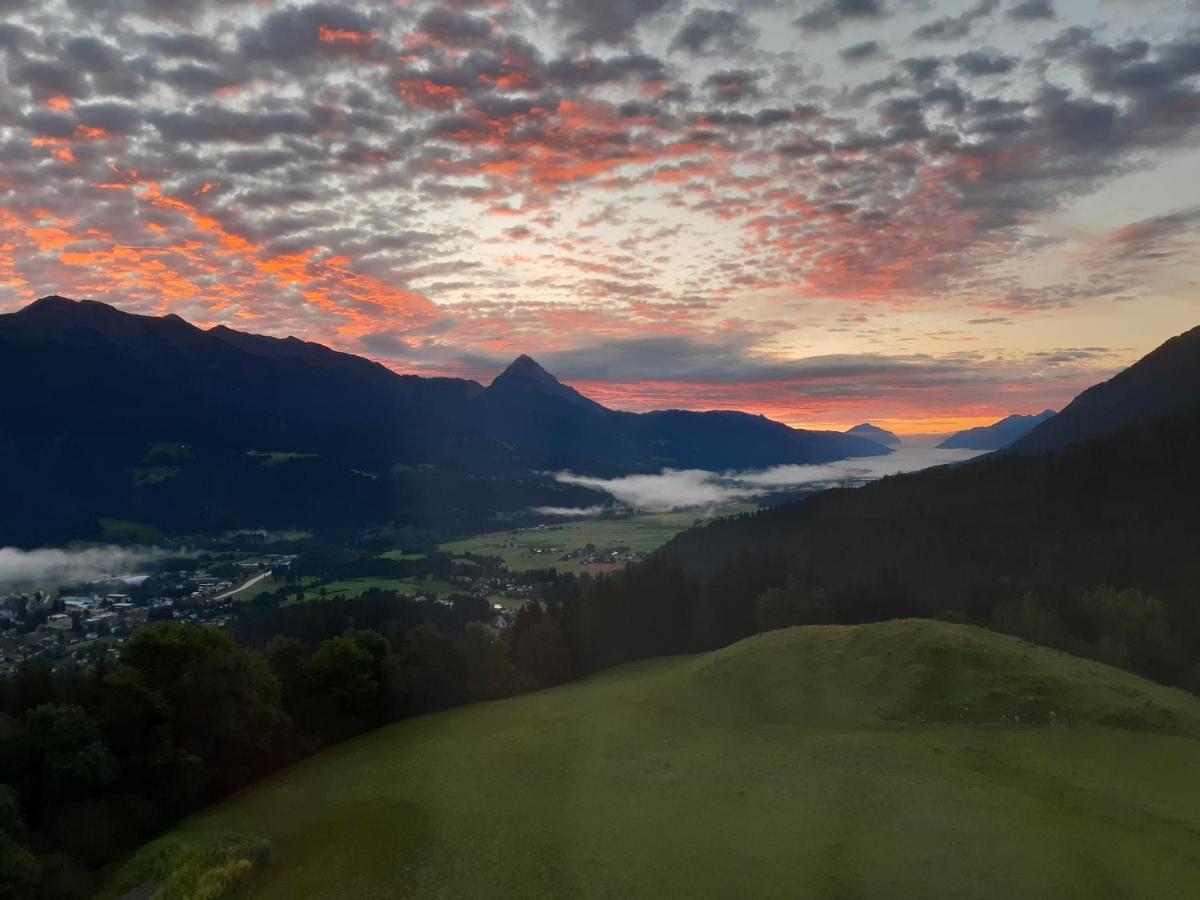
691 488
50 567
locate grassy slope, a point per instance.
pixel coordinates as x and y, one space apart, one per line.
876 761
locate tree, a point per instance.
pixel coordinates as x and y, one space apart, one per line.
488 666
344 687
224 699
62 758
796 603
427 674
19 869
1131 629
542 655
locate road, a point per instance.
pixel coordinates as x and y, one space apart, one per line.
241 587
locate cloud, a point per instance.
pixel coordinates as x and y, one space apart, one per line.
1032 11
953 28
733 85
863 52
715 32
985 62
49 568
695 488
613 22
411 179
830 15
571 512
1157 237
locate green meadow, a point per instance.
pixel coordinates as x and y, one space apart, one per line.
902 759
541 547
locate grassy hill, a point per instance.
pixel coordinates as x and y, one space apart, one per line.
908 758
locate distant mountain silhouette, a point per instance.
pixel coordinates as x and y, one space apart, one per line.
875 433
1163 382
996 436
154 420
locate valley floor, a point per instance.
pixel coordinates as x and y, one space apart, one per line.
877 761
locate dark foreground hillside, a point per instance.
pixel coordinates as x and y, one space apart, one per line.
982 538
903 759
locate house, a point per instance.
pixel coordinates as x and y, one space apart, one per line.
59 622
80 602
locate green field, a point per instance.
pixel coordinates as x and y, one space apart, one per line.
904 759
541 547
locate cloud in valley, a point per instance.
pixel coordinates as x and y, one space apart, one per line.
697 489
42 568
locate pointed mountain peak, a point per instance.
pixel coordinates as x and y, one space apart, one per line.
525 377
526 369
525 365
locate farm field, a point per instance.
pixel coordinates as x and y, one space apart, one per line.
541 547
902 759
353 587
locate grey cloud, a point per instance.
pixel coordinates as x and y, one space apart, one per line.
47 78
830 15
92 54
612 22
733 85
185 44
1032 10
952 28
985 62
1153 238
115 118
294 33
922 68
209 124
586 71
862 52
714 32
197 79
454 28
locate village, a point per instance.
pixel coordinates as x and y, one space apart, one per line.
80 622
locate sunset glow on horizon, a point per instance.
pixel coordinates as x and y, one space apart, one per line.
925 216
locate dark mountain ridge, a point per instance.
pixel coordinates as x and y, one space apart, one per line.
155 420
1162 382
996 436
875 433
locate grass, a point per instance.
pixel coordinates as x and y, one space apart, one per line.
206 866
520 548
850 762
124 530
354 587
276 458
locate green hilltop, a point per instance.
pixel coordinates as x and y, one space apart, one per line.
902 759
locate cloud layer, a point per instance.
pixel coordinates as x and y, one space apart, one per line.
49 568
442 185
697 489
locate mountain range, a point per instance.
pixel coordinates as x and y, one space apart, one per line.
141 419
996 436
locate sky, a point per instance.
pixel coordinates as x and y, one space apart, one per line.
921 214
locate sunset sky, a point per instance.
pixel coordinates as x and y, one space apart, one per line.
922 214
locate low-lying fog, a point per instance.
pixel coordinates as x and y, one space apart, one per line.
696 488
48 567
